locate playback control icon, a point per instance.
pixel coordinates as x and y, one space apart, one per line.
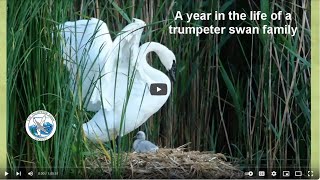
158 89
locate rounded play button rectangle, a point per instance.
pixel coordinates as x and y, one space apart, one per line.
158 89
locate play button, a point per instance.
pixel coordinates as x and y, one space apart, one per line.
158 89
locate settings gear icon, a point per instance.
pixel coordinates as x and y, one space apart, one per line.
273 173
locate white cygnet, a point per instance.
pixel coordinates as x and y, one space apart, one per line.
141 145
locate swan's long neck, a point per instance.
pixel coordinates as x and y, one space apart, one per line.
149 73
158 48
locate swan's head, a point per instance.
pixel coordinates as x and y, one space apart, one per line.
140 135
169 61
166 56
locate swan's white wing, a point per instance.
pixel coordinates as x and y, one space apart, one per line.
122 55
126 45
88 46
86 37
130 39
85 44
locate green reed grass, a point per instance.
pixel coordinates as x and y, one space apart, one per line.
247 96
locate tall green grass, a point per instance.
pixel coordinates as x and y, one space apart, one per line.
37 79
247 96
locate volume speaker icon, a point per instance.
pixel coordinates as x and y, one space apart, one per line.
30 173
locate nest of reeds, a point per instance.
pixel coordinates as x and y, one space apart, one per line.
173 163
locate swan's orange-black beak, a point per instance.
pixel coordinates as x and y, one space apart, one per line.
172 72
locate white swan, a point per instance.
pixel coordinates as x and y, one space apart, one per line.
90 53
107 125
87 46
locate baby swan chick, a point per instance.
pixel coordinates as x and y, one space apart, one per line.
141 145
